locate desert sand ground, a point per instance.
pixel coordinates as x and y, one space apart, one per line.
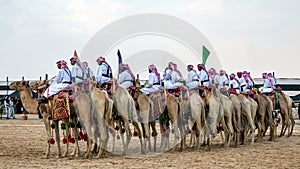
23 144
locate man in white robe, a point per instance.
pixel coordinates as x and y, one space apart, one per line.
104 72
153 84
126 78
62 81
192 81
203 75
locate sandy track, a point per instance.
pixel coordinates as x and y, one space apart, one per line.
22 145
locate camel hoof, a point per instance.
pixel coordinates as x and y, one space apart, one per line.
58 156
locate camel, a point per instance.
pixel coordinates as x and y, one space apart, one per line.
228 113
267 118
193 109
214 115
285 106
254 109
31 106
236 117
290 105
126 112
94 111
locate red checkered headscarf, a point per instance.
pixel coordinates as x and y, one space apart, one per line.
153 69
126 67
173 67
232 76
63 64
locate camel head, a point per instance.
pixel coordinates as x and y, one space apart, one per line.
19 85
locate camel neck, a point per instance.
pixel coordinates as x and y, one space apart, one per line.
28 102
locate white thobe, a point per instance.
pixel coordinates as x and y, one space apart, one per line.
125 80
78 74
204 80
173 80
216 81
61 81
192 81
267 88
153 84
103 73
234 84
224 82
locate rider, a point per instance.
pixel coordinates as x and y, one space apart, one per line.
273 79
267 85
89 71
214 77
192 81
234 83
104 72
204 78
153 84
173 79
78 70
62 81
126 77
243 83
224 80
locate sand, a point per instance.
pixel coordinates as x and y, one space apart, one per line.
23 144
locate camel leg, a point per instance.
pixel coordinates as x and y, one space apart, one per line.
154 134
292 123
140 134
76 151
57 138
48 131
103 137
65 121
283 126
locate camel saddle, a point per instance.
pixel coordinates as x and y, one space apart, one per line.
107 86
176 92
61 107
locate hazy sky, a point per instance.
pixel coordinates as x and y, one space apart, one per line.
256 35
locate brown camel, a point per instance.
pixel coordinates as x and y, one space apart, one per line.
284 104
268 122
31 106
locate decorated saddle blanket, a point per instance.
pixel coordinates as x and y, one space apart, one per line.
61 107
158 99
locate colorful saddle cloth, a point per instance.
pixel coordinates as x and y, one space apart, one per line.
61 108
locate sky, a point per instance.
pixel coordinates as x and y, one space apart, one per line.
257 35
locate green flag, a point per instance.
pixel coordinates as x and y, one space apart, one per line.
205 54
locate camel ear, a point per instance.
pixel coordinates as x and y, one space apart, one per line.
23 83
17 83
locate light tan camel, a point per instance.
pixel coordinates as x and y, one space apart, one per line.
254 109
214 116
236 117
126 112
144 111
94 110
228 108
193 109
31 106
